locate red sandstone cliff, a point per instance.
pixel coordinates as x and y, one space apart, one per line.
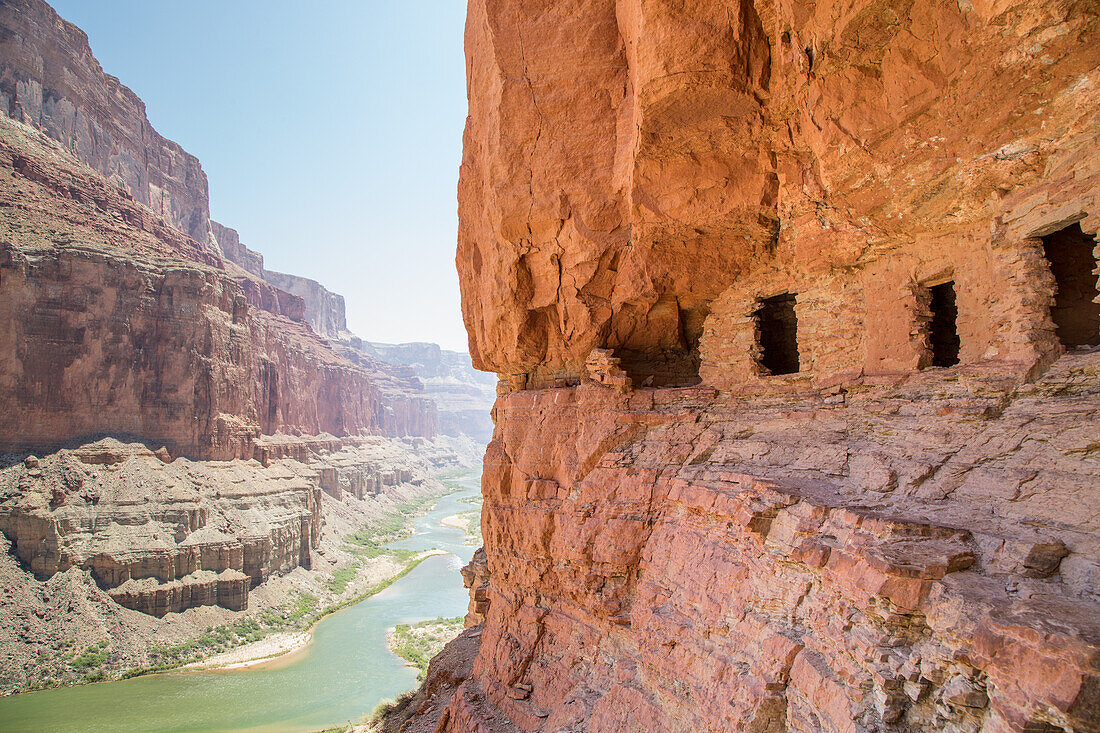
836 470
50 80
120 314
108 330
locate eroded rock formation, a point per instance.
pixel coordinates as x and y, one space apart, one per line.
464 396
125 312
323 309
50 80
799 406
162 535
124 319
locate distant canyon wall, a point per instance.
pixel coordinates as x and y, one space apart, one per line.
463 394
122 313
323 309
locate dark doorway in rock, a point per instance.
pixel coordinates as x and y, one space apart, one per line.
1075 312
943 331
777 331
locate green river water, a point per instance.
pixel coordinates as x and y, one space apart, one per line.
341 676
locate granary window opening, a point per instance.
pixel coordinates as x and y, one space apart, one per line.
777 331
943 331
1075 312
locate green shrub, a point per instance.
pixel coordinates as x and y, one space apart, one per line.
419 648
93 656
343 576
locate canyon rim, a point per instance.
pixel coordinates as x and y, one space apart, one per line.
792 313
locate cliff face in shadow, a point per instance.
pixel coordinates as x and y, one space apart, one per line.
797 394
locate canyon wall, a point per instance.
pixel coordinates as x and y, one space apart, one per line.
795 311
464 396
126 310
50 80
109 329
324 309
162 535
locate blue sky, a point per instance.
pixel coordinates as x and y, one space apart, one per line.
330 131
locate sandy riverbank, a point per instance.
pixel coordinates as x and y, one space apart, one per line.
469 522
264 651
457 521
278 647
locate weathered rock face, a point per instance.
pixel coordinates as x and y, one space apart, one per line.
694 561
627 164
162 320
846 225
115 323
475 576
162 535
50 80
323 309
229 242
120 314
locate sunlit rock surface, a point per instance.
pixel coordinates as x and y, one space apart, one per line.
164 534
834 467
172 412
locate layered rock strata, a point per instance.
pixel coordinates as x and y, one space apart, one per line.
115 323
464 396
228 589
799 407
50 80
323 309
123 313
162 535
652 553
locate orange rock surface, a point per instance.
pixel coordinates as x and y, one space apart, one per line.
834 467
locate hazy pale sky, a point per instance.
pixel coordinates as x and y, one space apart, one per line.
330 131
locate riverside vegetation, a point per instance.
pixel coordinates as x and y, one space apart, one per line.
80 664
342 675
418 643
